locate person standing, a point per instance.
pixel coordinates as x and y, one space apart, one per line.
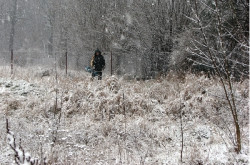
98 64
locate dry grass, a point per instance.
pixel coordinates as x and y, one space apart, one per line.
95 129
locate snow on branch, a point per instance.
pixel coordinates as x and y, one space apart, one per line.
20 156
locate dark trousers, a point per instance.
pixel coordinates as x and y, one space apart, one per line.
97 73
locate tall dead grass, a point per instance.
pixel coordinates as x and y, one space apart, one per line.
137 120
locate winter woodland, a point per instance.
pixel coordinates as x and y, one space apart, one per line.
175 88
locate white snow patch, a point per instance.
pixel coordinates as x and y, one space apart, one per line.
129 19
123 37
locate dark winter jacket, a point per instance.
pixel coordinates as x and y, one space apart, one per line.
98 61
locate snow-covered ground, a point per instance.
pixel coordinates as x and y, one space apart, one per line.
115 121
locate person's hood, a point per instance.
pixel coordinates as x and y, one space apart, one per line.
97 50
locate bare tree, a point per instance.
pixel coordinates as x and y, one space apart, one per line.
217 55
